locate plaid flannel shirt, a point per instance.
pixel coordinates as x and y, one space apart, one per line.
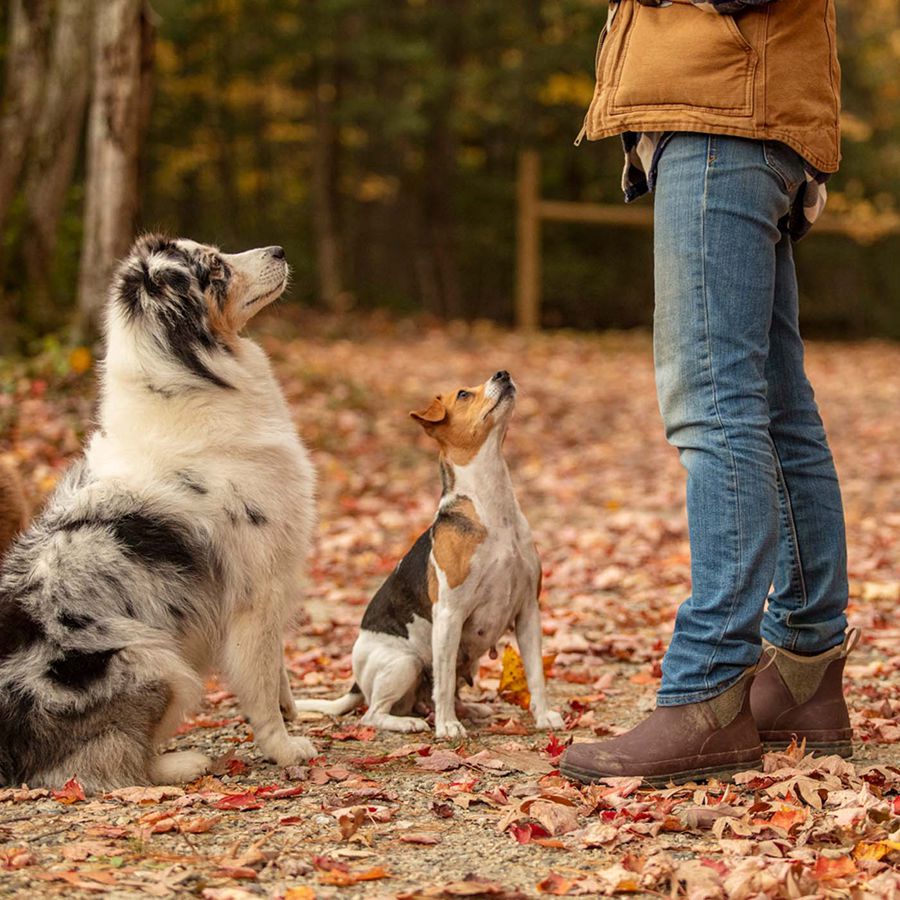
643 149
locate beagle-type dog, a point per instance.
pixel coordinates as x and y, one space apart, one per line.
470 577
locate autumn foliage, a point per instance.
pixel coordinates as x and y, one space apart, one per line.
383 816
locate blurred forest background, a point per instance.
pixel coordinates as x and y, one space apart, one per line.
377 140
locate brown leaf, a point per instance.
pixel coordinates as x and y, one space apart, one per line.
420 837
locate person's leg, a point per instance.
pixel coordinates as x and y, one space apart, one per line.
718 204
800 696
717 210
806 612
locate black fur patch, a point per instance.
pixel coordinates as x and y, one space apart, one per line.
179 610
131 285
79 668
153 540
403 595
75 621
187 334
447 478
192 482
18 628
254 515
451 516
168 393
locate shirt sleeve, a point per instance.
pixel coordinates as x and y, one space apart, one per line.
730 7
722 7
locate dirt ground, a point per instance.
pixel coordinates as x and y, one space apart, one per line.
379 815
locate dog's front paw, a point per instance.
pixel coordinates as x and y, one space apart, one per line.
549 720
449 730
178 767
292 751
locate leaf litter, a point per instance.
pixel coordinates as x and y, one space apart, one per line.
378 816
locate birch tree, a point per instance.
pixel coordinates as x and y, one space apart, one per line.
116 116
55 143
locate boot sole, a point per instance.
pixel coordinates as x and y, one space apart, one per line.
720 773
844 749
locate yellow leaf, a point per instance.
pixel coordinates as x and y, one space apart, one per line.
875 850
513 685
300 893
80 360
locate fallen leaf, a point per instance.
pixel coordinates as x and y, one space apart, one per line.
346 879
828 869
354 733
16 857
875 850
145 795
71 792
555 884
300 893
420 837
246 800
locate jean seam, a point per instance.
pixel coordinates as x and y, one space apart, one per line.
797 559
712 381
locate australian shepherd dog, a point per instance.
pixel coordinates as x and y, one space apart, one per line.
173 548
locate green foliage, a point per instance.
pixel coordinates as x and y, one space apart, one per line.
431 100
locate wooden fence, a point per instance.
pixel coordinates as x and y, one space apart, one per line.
533 210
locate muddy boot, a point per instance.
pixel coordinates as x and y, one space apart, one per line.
693 742
802 697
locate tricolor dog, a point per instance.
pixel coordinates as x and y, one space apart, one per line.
470 577
174 547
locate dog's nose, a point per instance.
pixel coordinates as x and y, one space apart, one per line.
277 252
502 375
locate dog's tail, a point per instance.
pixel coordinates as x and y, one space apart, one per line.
350 700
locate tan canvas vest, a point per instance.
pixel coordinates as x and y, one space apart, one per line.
769 73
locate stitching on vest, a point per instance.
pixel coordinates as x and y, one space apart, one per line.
729 24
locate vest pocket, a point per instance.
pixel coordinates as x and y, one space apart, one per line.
679 56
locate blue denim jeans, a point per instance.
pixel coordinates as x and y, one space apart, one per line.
764 506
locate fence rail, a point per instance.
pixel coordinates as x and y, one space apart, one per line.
532 210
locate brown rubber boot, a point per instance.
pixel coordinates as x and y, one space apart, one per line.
802 698
693 742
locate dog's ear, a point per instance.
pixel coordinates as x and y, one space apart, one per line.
433 415
141 278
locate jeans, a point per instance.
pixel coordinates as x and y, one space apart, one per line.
763 501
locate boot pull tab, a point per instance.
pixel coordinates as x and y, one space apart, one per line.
850 642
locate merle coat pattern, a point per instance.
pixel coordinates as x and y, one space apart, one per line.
175 547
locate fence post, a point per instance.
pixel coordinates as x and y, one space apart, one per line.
528 243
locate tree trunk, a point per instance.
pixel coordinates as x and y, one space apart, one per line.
28 29
114 132
323 181
57 136
328 265
439 169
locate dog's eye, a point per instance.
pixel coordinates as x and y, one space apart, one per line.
463 395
